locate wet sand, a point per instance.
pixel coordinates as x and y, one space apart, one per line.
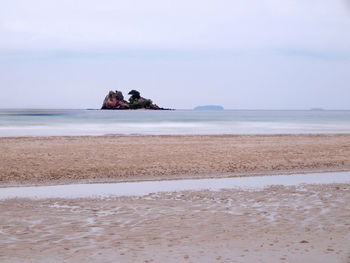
57 160
309 223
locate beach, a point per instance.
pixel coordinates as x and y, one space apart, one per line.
308 223
290 218
174 131
60 160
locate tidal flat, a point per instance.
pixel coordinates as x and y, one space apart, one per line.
277 223
308 223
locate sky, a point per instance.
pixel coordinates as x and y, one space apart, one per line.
241 54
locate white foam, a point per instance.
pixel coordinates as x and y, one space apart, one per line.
145 188
168 128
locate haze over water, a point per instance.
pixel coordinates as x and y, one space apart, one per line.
15 123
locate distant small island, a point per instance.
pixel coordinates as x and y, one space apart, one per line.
115 101
209 107
317 109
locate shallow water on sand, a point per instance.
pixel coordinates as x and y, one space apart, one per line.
145 188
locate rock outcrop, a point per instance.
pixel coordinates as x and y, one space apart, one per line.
115 101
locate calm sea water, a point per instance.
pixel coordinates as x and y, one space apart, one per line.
96 122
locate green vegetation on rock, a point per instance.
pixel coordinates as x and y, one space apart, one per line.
139 104
135 95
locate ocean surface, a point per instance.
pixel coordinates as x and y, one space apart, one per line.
18 122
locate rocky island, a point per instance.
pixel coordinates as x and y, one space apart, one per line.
115 101
209 107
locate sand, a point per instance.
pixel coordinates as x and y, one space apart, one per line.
56 160
305 223
309 223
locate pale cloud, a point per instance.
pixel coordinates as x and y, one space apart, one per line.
223 24
239 53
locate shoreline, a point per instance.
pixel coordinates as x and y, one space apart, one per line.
172 178
112 135
99 159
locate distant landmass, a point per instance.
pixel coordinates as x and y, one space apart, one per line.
316 109
209 107
115 101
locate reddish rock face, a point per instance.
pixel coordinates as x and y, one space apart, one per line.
115 100
113 103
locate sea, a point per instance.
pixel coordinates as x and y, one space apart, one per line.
50 122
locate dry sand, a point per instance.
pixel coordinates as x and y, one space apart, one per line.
309 223
53 160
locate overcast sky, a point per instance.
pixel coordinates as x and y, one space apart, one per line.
242 54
